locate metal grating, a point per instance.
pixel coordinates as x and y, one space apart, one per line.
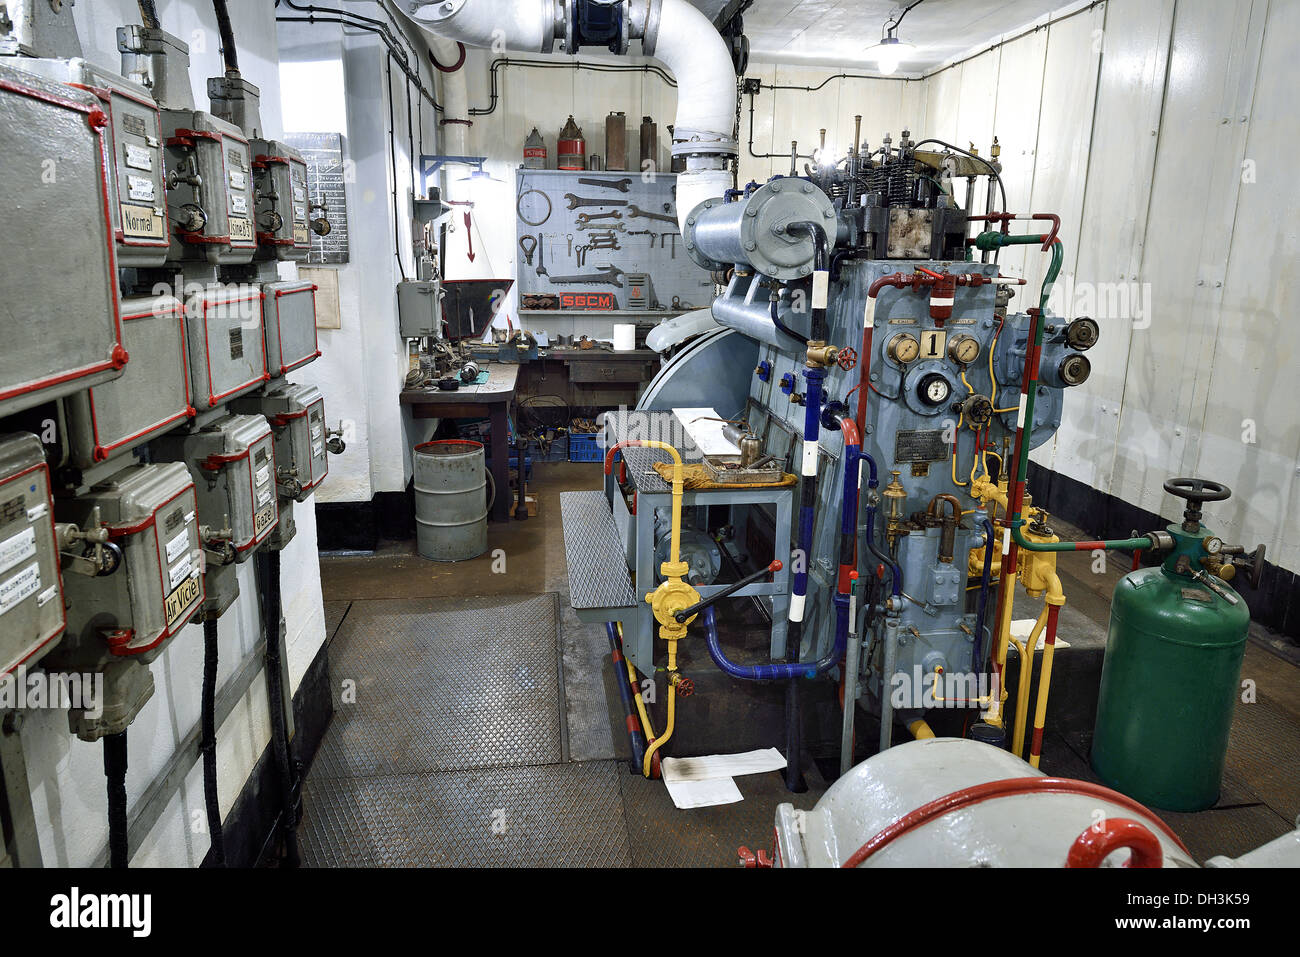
598 575
663 426
471 683
566 815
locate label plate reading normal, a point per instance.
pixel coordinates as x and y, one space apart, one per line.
920 445
182 599
144 222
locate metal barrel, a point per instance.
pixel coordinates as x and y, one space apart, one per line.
450 500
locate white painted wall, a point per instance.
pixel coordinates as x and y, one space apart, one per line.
1133 120
66 774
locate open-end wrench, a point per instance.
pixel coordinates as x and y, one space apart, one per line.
635 211
608 276
608 227
576 201
619 184
588 217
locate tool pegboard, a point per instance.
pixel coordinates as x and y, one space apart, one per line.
630 226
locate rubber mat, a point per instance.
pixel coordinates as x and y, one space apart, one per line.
567 815
460 683
661 835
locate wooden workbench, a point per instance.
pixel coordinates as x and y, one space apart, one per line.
492 399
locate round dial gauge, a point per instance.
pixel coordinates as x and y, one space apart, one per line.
904 348
934 389
964 349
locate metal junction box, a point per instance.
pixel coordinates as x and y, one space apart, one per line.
289 322
209 189
152 395
419 308
31 592
297 417
233 463
136 183
58 286
226 349
149 511
282 205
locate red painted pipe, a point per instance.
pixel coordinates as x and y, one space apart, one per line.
1098 841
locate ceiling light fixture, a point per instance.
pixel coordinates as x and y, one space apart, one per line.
890 51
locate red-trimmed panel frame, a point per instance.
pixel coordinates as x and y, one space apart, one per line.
58 569
213 397
280 339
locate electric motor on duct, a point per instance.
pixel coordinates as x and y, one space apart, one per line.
755 230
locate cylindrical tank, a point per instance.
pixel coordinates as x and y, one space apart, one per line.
649 144
534 151
450 504
1168 687
571 147
616 141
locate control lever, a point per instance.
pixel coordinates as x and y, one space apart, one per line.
686 613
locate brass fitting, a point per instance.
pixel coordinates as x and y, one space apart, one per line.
821 355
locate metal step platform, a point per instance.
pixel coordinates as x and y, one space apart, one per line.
600 587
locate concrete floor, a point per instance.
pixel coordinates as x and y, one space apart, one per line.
1262 787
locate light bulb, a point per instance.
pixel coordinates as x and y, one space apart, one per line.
887 63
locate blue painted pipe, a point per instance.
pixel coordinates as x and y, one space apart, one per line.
787 670
634 732
895 572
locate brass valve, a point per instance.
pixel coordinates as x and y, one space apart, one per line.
821 355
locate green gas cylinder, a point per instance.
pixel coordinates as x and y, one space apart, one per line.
1169 680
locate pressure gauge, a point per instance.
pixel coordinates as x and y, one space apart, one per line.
1213 545
934 389
904 348
964 349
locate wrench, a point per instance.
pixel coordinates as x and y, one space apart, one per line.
588 217
619 184
607 276
635 211
621 227
576 201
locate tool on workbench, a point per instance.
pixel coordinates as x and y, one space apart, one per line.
541 258
577 201
569 237
619 184
528 243
606 276
621 227
634 212
588 217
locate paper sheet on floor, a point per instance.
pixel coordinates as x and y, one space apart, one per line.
705 430
706 793
722 765
1022 628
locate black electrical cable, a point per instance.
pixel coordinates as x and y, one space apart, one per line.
208 742
229 53
115 771
269 572
392 162
993 171
782 327
815 232
500 62
149 14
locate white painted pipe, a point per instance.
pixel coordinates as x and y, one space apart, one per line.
455 99
526 26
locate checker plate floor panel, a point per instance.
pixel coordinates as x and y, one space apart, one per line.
470 683
567 815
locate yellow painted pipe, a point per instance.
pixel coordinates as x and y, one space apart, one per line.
1055 596
659 742
920 729
1027 652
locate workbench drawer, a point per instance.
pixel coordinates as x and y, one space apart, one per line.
594 370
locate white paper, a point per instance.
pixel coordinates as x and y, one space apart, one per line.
1021 628
705 430
708 793
722 765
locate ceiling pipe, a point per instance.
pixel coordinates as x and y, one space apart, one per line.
671 31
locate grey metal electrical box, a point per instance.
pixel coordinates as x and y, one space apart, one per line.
136 182
419 308
289 324
210 189
297 417
151 516
283 208
31 593
233 462
223 326
152 395
58 286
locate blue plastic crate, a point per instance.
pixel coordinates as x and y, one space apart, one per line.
584 448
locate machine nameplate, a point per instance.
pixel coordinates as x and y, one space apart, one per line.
300 235
12 509
17 548
144 221
238 180
238 204
26 583
241 230
134 123
183 596
177 546
920 445
139 157
264 519
237 343
902 322
140 189
181 570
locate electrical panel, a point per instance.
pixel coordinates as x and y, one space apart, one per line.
154 584
152 395
136 184
226 349
419 308
31 593
282 205
289 321
297 417
209 189
60 273
233 462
